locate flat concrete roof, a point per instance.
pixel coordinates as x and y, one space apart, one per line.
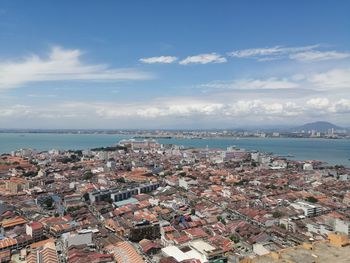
126 202
321 252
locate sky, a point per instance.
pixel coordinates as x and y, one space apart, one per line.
181 64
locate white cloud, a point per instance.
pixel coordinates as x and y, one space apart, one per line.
187 108
303 53
263 109
253 52
318 103
203 59
333 79
180 110
318 55
155 109
253 84
15 111
298 77
293 109
341 106
61 64
325 106
269 53
161 60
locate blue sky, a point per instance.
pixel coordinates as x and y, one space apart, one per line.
173 64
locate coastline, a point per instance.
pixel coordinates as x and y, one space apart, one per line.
326 150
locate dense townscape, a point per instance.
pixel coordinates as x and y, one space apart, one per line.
320 129
174 131
142 201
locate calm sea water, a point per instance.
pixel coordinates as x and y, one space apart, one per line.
328 150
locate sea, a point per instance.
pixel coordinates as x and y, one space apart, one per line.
331 151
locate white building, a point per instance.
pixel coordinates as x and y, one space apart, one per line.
197 249
76 239
342 226
309 209
264 159
344 177
186 182
54 152
102 155
175 252
288 224
264 248
308 167
111 164
278 164
321 229
226 192
255 156
25 153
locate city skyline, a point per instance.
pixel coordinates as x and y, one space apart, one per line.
167 65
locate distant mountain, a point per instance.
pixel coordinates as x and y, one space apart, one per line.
319 126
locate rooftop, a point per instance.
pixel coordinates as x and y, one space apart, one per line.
322 251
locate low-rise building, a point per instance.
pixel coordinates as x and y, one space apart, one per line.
186 182
35 230
307 208
76 239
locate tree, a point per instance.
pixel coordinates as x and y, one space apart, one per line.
30 174
48 202
88 175
182 174
121 180
242 182
311 199
86 197
271 186
234 238
283 226
110 148
277 214
221 219
72 209
76 167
